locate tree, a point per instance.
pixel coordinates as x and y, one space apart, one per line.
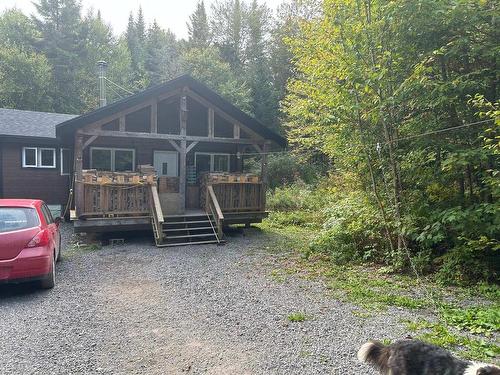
17 30
258 72
59 24
207 66
134 35
198 28
229 31
162 55
372 77
25 79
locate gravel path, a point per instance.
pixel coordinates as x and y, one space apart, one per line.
136 309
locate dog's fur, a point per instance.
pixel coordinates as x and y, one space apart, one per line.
412 357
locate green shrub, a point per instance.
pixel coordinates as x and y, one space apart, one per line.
285 169
466 264
297 196
352 231
338 244
298 218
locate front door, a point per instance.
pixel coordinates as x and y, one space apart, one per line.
166 163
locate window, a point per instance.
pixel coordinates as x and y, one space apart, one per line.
207 162
112 159
17 218
65 161
30 157
47 215
39 157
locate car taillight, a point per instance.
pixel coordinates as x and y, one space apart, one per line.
41 239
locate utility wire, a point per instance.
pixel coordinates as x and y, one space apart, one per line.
116 92
434 132
378 144
120 87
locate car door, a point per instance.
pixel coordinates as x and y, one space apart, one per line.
53 228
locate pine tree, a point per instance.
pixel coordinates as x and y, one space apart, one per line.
162 55
258 71
198 29
136 48
140 26
59 24
133 41
229 32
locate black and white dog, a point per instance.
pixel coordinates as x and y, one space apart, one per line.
412 357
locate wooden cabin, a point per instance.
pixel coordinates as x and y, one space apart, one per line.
170 158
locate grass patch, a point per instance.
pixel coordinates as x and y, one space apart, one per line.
297 317
479 320
467 330
474 348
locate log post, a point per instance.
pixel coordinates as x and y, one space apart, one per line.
211 120
263 176
78 175
239 158
183 151
154 117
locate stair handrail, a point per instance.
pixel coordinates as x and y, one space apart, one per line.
156 213
213 204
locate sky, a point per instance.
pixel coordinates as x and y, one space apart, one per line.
170 14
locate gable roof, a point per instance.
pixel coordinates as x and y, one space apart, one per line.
68 127
19 123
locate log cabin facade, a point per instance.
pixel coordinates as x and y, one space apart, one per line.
170 157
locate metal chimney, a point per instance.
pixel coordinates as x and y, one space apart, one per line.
102 84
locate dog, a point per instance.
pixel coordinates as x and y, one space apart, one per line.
413 357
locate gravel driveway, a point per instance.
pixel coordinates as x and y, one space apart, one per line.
137 309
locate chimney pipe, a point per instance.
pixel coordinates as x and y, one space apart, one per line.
102 84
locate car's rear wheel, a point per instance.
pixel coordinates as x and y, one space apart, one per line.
50 280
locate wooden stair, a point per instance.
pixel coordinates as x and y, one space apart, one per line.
187 230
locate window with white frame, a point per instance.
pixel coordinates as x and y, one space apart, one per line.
211 162
112 159
65 161
39 157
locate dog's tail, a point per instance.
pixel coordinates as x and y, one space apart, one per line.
376 353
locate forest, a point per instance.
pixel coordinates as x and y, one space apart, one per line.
391 110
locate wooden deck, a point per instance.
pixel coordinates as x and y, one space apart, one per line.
102 225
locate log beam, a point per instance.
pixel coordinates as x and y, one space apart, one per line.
78 175
175 137
154 117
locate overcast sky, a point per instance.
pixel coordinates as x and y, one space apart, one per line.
171 14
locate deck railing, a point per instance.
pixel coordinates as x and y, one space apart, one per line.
235 192
214 209
156 214
108 194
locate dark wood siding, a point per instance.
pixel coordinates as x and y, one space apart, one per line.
36 183
144 149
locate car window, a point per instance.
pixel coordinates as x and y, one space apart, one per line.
47 214
16 218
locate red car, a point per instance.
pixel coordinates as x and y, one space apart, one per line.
30 242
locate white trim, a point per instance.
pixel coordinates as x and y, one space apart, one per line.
212 154
113 150
24 157
38 157
40 149
62 161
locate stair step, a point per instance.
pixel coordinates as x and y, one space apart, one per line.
191 236
186 229
186 243
186 222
